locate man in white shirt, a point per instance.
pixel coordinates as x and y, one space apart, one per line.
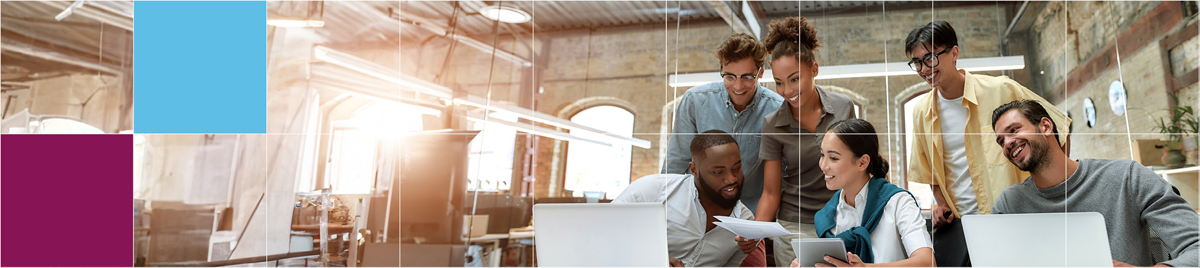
693 200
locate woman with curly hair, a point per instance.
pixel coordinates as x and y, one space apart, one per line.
790 134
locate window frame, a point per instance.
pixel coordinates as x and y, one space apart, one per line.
566 154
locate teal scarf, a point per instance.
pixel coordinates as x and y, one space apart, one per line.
858 239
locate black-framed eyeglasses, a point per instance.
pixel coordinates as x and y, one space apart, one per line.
931 61
730 78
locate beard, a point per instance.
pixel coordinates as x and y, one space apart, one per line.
714 194
1037 157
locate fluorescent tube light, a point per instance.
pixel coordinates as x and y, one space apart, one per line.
535 130
407 82
862 70
375 70
549 120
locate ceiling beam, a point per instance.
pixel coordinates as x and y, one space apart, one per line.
752 19
1014 21
731 18
757 8
895 7
99 14
34 42
121 8
440 30
55 56
410 83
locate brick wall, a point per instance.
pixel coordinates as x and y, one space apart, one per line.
631 64
1075 48
866 38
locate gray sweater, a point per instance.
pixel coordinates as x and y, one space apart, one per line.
1132 199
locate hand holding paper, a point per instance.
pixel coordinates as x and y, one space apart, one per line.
751 229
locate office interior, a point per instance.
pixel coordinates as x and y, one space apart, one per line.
67 67
422 133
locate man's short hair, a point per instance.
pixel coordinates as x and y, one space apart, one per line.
740 46
1031 110
709 139
937 33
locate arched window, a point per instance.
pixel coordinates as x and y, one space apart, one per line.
921 191
597 168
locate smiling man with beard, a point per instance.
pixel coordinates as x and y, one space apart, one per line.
712 188
1131 197
949 149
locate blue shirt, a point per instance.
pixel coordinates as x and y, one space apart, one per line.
707 107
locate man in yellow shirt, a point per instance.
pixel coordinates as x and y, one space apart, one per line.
951 146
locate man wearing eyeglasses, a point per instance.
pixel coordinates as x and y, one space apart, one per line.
736 105
950 147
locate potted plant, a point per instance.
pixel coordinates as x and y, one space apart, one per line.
1183 122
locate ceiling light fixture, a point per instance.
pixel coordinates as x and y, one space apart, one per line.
862 70
505 14
535 130
406 82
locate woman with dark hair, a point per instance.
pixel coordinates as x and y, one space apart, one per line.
790 134
878 222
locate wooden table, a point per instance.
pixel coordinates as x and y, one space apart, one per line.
347 228
316 228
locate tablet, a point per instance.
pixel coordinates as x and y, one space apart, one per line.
815 250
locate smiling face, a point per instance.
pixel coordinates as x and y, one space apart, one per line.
1024 144
741 91
946 63
793 79
840 166
719 174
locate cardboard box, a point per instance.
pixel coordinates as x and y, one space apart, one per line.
383 255
1149 152
476 229
424 255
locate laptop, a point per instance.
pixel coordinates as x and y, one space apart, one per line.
1075 239
600 235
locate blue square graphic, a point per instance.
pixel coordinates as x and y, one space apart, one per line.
200 67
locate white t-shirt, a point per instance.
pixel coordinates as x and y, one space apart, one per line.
900 231
687 239
953 117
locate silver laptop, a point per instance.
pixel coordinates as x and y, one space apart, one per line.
600 235
1076 239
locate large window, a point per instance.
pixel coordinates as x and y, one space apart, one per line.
922 191
355 142
491 156
352 165
596 168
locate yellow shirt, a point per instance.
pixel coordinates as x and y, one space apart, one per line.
990 171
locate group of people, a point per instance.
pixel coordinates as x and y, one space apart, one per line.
798 157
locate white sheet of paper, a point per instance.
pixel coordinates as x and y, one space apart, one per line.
752 229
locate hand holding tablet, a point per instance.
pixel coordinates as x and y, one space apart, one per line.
815 250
